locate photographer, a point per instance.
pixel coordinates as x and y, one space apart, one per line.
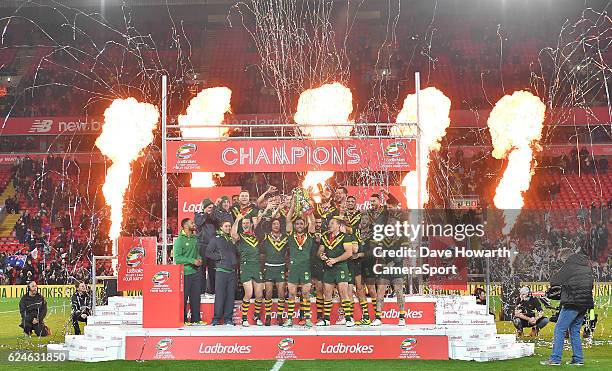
576 281
33 309
528 313
81 306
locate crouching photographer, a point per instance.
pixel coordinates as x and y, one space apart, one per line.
576 281
33 309
81 306
528 313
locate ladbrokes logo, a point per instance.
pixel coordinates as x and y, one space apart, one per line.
164 345
225 349
160 278
286 344
408 344
164 349
394 149
342 348
186 151
407 347
135 256
394 313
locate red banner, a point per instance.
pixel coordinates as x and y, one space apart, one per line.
291 155
417 313
162 296
84 158
286 347
190 199
134 254
49 126
362 195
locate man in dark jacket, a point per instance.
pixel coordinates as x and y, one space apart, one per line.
576 280
206 224
222 251
33 309
81 306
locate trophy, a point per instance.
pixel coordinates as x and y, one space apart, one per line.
301 198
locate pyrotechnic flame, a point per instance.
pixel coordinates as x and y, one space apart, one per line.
515 124
434 112
208 108
127 130
319 112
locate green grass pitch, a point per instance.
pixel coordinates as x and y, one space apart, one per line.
598 356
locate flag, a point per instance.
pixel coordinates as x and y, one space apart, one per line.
34 253
17 261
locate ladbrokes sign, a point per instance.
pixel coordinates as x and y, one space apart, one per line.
291 155
295 347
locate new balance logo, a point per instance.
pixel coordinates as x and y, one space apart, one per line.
41 126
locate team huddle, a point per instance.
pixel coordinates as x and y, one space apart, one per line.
298 248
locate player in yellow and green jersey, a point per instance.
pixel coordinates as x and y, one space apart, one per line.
275 251
300 244
251 277
335 248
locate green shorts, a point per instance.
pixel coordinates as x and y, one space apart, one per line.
250 271
354 266
274 273
316 269
337 274
299 274
367 270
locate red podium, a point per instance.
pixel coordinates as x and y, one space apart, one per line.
162 296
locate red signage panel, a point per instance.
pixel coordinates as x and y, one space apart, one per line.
286 347
291 155
134 254
190 199
49 126
162 296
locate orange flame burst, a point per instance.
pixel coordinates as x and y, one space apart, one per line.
207 110
434 112
127 130
319 113
515 124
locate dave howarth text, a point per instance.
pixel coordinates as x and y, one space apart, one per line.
454 252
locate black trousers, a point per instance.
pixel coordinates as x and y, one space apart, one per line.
192 291
225 290
520 323
28 327
209 280
76 318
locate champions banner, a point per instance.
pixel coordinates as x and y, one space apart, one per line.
134 254
286 347
291 155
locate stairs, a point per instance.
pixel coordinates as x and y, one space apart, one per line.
6 228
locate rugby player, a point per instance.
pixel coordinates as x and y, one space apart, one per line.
324 212
300 244
335 248
396 281
249 248
275 252
244 207
353 218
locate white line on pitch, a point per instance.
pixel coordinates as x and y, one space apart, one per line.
277 366
17 310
